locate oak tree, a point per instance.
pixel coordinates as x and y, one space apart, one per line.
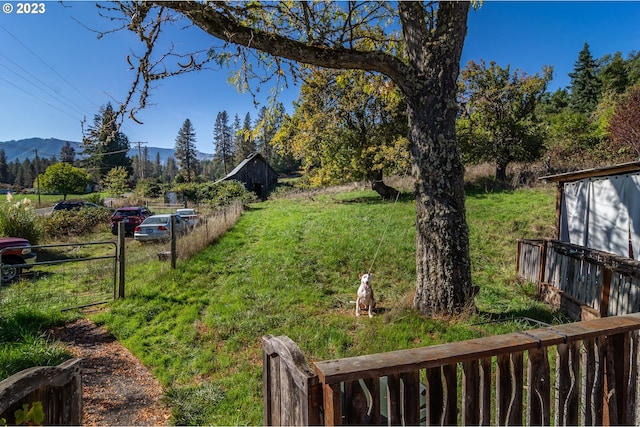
499 122
65 179
415 44
349 125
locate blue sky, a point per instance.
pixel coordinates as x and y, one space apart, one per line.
54 72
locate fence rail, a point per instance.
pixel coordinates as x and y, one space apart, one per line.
58 388
581 279
497 380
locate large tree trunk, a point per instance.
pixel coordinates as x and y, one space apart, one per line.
443 282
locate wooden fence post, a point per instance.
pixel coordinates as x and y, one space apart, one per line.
121 259
173 242
58 388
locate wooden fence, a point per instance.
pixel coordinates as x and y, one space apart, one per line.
498 380
58 388
581 280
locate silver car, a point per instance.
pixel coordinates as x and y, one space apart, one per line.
158 227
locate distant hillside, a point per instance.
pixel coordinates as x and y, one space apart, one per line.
47 148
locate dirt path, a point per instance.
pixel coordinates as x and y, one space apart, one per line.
117 389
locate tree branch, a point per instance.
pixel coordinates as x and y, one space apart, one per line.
222 26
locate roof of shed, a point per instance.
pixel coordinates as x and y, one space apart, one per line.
594 173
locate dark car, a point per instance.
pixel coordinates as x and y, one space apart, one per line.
131 217
16 255
71 205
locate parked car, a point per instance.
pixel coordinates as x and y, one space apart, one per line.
16 255
158 227
68 205
189 215
131 217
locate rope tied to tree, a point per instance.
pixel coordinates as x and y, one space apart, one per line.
384 232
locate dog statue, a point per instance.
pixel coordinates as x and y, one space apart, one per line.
365 300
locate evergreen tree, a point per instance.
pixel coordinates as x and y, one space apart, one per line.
223 141
4 170
614 74
157 167
170 171
146 164
245 144
268 123
185 151
67 153
104 146
585 83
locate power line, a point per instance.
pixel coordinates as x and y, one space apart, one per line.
44 87
48 66
39 99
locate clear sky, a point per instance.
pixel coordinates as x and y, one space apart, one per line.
54 71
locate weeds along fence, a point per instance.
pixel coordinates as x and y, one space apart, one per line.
583 373
211 226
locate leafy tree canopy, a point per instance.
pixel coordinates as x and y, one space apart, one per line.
348 126
115 181
624 126
499 122
65 179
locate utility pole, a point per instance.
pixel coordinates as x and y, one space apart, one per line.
141 162
37 161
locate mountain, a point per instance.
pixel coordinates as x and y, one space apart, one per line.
47 148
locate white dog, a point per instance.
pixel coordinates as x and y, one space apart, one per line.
365 299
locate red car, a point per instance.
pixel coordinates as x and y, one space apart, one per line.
16 255
131 216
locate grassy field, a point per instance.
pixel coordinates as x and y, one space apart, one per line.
290 267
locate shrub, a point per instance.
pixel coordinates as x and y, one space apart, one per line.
18 219
74 222
216 193
95 198
150 188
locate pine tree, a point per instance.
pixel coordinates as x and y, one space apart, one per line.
67 153
585 83
223 141
4 171
185 151
170 171
104 146
614 74
245 143
157 166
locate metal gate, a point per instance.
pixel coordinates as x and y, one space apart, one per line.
64 276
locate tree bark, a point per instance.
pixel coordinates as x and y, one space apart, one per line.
443 282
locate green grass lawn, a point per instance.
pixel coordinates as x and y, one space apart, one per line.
290 267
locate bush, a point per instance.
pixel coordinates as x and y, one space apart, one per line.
95 198
150 188
19 220
218 194
74 222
